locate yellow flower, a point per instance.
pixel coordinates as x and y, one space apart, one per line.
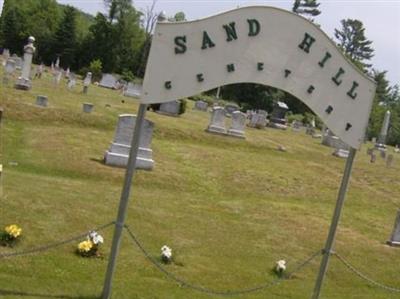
13 230
85 246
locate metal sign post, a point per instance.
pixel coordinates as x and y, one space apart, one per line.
335 221
123 205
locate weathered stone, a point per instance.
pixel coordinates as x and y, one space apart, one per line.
238 124
108 81
86 82
201 106
258 120
278 116
389 161
87 107
24 82
133 90
329 139
230 108
341 153
395 237
42 101
217 122
118 153
170 108
385 128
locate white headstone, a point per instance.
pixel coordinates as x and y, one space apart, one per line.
395 237
384 129
118 153
238 124
217 123
24 82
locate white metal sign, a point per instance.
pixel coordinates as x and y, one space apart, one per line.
262 45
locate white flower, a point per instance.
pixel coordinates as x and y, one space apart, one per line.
280 266
95 238
166 253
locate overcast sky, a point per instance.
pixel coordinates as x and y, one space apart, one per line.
381 19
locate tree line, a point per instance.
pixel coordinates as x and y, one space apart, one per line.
118 41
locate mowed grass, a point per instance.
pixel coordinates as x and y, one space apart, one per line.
228 208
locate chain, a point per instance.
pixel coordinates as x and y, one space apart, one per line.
53 245
202 289
363 276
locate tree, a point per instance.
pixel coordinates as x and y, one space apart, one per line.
13 34
308 8
178 17
65 39
351 39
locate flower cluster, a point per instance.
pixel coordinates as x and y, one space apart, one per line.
280 267
10 235
166 254
90 246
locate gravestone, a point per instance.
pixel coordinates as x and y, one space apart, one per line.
389 161
258 120
329 139
6 55
87 107
42 101
133 90
296 125
24 82
71 81
57 77
217 122
278 116
238 124
373 140
170 108
1 114
18 61
9 70
395 237
118 153
39 71
383 154
86 82
230 108
108 81
373 157
201 106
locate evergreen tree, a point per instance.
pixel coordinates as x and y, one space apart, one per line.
65 39
351 39
307 8
13 35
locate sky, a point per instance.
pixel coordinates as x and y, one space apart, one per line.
381 18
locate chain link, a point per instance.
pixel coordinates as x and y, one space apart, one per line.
202 289
53 245
363 276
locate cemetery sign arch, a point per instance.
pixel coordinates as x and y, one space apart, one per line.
263 45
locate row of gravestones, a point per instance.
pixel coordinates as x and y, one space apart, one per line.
43 101
218 125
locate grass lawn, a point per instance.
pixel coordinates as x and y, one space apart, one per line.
228 208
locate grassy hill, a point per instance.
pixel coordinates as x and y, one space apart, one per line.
228 208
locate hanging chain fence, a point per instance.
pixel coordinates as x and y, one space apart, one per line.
52 245
365 277
184 283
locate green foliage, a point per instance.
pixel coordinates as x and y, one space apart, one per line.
182 106
306 7
127 76
96 68
353 42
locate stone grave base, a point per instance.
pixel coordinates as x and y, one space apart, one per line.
277 126
393 243
341 153
236 133
167 113
23 84
216 130
118 155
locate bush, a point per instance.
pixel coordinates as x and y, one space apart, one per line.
182 107
293 117
127 76
95 67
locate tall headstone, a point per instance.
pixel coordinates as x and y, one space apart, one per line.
86 82
258 120
389 161
238 124
24 82
217 123
118 153
278 116
6 55
170 108
395 237
384 130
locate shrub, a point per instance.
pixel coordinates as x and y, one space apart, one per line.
182 107
95 67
